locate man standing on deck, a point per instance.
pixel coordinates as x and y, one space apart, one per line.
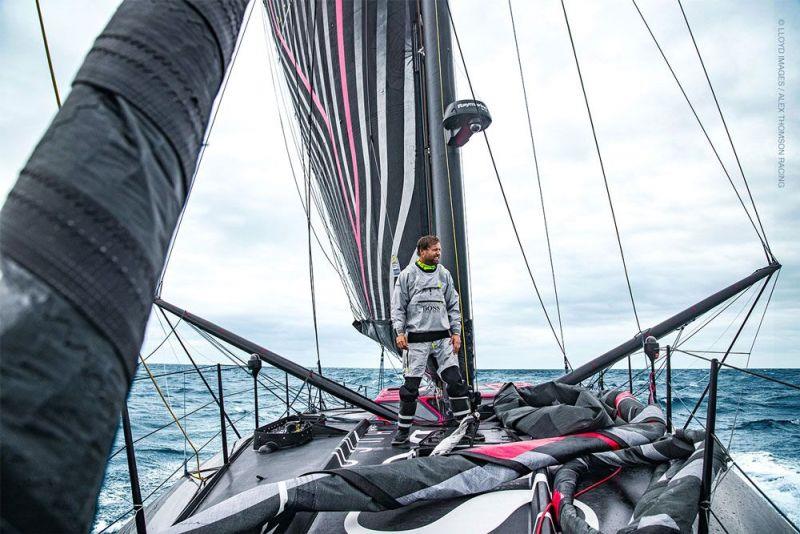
427 319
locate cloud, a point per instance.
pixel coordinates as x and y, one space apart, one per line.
241 258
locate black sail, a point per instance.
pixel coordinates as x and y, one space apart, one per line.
353 83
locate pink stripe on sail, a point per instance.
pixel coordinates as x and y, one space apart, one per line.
346 99
322 113
354 223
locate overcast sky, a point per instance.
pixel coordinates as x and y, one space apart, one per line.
241 257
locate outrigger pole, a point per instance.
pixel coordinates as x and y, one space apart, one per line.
294 369
665 327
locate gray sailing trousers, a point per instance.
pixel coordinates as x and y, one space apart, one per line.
414 364
416 358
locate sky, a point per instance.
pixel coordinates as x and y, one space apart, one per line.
241 259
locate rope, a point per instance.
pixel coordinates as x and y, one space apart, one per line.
174 418
47 53
603 170
503 193
702 127
567 366
727 131
203 146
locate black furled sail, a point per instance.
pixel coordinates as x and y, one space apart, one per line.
83 238
353 82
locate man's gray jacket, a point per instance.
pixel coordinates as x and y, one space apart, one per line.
425 301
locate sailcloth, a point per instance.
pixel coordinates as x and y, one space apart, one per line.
353 84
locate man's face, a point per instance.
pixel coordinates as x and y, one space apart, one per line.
431 254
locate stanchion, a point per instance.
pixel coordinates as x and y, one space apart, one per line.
669 388
708 453
223 429
136 492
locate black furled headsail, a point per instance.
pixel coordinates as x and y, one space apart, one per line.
83 238
353 82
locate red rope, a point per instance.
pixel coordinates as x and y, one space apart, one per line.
540 520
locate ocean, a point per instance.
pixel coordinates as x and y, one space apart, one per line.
760 420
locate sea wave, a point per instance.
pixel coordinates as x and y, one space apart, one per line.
778 478
768 424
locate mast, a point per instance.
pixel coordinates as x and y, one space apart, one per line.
665 327
447 188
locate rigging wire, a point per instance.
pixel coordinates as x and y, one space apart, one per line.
605 182
744 370
208 386
722 310
166 338
705 133
164 482
750 352
181 418
730 347
602 167
240 363
204 145
770 501
733 321
503 193
198 475
567 366
719 522
727 132
47 53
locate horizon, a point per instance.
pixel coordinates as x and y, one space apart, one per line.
684 235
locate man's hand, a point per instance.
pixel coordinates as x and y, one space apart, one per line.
456 342
402 342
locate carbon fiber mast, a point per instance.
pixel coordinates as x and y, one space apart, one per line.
446 184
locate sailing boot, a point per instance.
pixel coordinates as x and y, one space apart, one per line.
462 407
406 416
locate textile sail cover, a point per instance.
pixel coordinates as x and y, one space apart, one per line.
353 85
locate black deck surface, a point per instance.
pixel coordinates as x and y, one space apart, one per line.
508 509
243 473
